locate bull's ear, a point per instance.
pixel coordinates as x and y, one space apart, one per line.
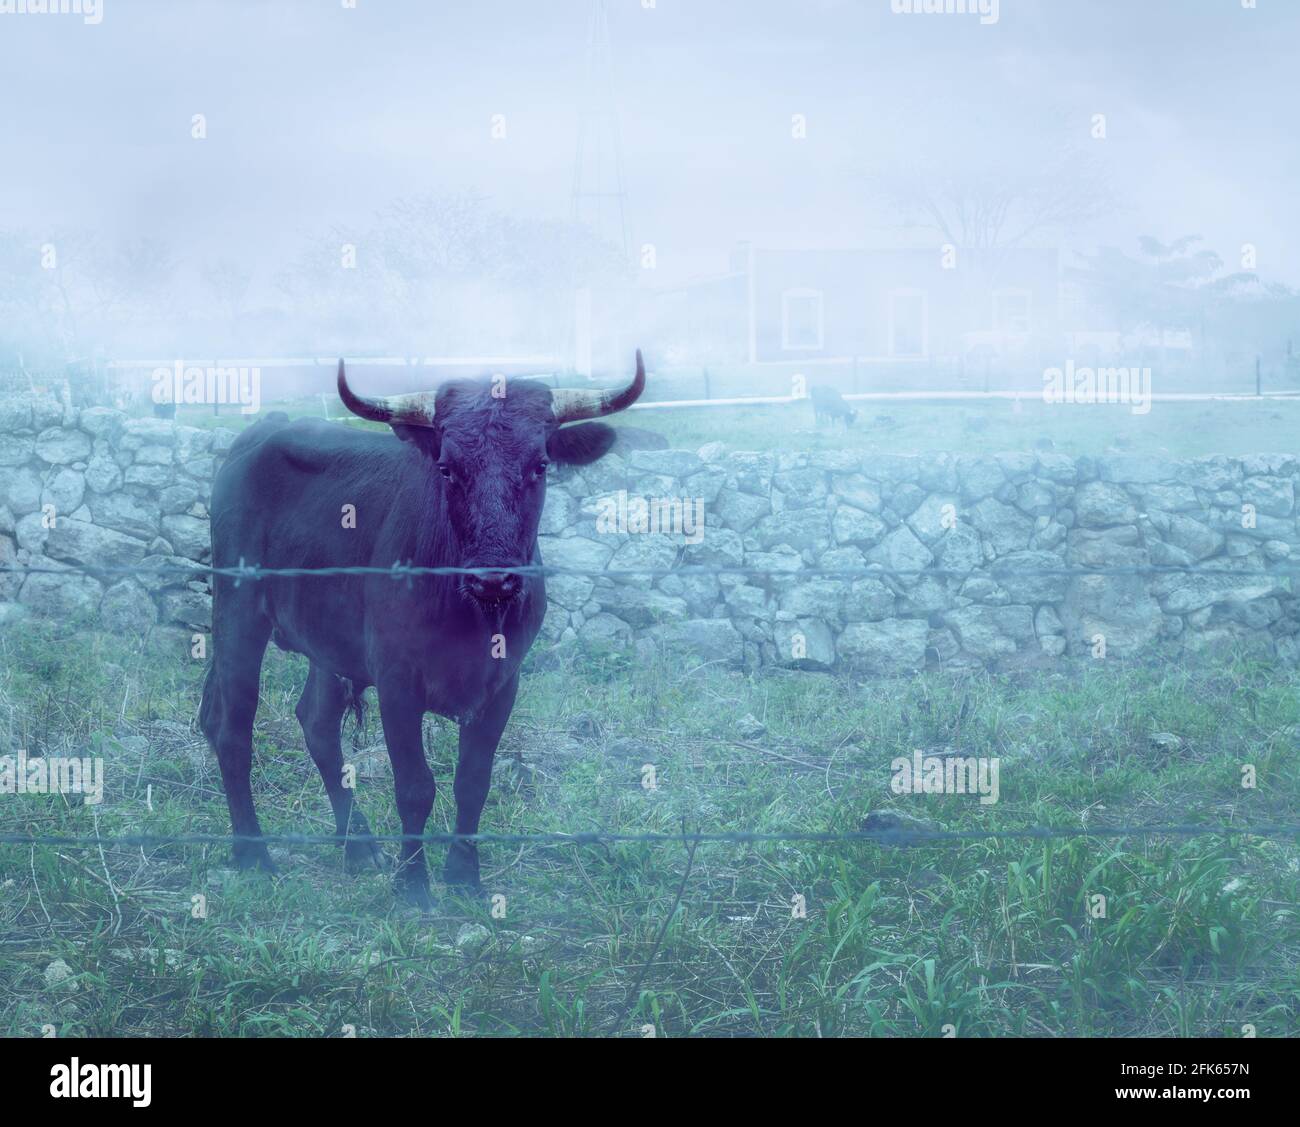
581 444
426 439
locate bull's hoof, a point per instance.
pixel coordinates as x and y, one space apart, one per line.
463 888
255 859
364 857
460 870
415 894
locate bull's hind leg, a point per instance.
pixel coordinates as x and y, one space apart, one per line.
226 714
325 698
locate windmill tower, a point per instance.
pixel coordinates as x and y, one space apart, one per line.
599 200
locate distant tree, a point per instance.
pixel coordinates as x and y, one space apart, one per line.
986 207
226 283
65 294
439 272
25 327
1167 285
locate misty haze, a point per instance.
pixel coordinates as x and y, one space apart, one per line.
650 518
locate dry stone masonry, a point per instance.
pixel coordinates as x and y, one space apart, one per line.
127 491
92 488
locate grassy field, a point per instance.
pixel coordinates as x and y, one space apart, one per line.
1178 430
1199 938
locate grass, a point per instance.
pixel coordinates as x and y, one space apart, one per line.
980 938
1177 430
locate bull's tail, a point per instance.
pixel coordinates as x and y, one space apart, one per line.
357 706
209 713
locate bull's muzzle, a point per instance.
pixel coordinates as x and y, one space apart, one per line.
494 587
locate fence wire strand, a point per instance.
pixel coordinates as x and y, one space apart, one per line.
607 837
254 572
900 837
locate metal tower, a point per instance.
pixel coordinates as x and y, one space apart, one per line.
599 200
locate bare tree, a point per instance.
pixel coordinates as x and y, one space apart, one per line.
226 282
990 208
438 272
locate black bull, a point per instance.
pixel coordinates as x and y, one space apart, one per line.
463 488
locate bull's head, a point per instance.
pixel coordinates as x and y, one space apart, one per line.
487 446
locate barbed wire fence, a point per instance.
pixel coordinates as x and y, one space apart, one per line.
893 836
889 835
245 571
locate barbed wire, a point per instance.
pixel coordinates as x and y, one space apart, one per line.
991 569
892 836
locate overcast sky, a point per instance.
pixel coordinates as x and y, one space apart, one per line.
318 115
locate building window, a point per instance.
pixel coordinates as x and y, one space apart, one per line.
802 325
909 318
1011 311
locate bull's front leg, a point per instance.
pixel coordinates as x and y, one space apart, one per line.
401 709
478 746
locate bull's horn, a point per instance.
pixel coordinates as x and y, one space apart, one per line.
415 409
572 404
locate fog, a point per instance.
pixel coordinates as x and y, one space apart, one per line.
399 178
887 623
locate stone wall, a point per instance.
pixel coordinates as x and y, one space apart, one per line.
134 491
94 487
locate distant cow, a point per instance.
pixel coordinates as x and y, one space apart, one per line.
829 405
458 483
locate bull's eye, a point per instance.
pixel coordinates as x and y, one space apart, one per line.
445 470
539 470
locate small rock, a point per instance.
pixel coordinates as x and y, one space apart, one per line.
512 772
749 727
172 958
471 937
630 749
1164 741
887 822
58 976
585 726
